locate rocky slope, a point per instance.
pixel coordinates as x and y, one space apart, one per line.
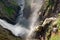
49 9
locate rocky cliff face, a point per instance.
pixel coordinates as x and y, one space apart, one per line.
9 10
50 8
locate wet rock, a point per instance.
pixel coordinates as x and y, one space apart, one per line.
7 35
47 20
41 30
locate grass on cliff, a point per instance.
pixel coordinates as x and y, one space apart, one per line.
57 36
9 11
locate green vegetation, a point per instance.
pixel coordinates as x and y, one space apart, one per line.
49 2
9 11
56 37
58 23
14 3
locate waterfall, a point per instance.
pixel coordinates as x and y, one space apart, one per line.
19 29
22 20
21 3
35 7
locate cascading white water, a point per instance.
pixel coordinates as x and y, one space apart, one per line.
17 29
35 7
21 3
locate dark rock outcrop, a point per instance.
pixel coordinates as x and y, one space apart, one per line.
9 10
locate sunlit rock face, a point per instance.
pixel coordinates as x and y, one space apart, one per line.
40 31
9 10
